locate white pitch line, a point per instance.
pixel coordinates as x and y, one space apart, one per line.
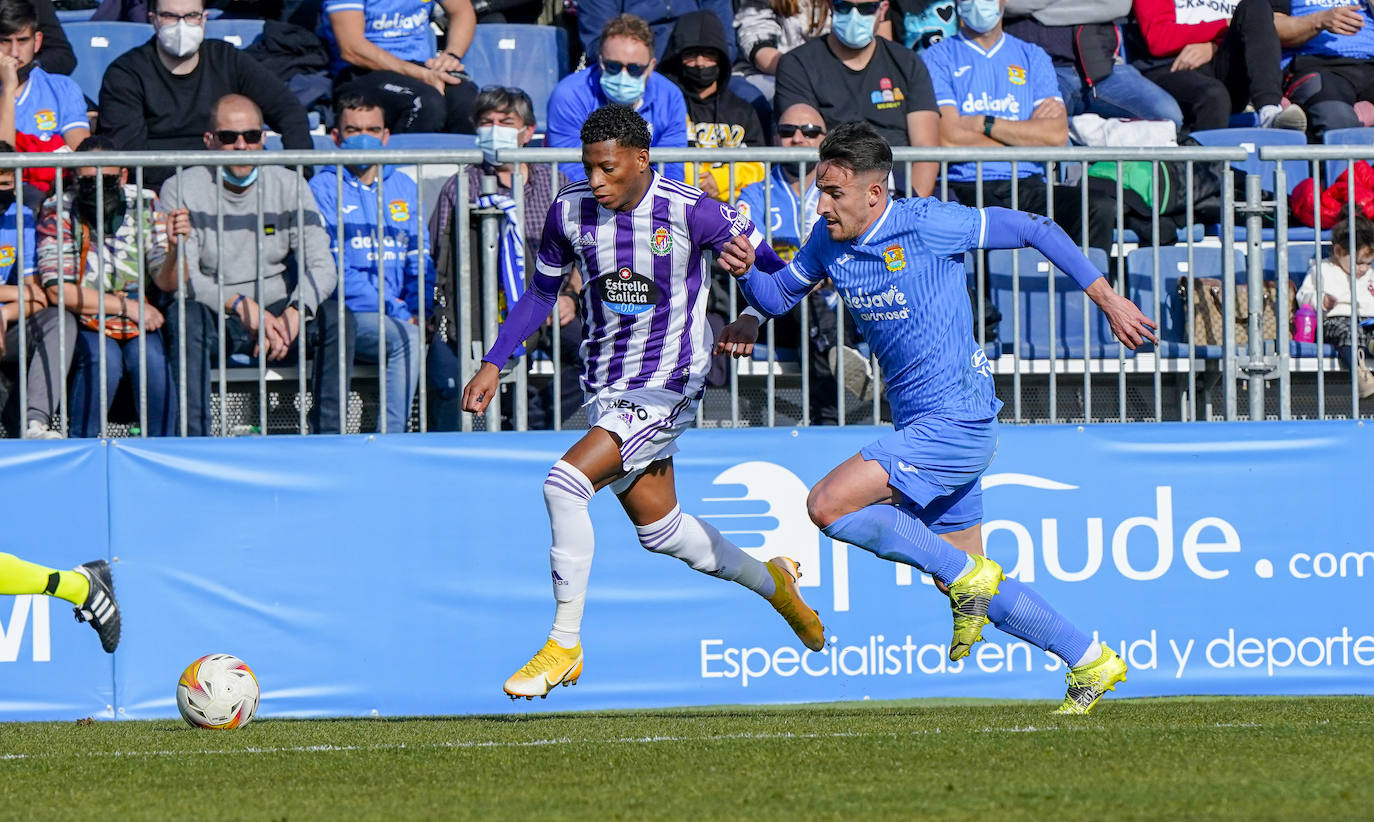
534 743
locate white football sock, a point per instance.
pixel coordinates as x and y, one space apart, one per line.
566 493
1093 654
701 546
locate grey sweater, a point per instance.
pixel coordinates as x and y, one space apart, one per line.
232 257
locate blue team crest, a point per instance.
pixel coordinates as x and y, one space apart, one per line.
895 257
661 243
1017 75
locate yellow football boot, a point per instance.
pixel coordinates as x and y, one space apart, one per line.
969 597
787 600
552 665
1089 683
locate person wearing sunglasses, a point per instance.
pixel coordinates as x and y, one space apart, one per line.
789 197
852 75
624 75
158 97
222 272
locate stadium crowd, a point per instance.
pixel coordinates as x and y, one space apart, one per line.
706 73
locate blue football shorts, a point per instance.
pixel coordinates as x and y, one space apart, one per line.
936 464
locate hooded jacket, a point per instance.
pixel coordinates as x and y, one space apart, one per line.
723 120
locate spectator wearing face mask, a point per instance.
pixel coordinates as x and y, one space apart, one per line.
698 62
353 224
623 74
505 120
158 96
850 74
100 245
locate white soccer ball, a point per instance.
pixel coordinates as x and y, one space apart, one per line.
217 691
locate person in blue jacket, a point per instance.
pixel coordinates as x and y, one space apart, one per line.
661 15
624 74
361 126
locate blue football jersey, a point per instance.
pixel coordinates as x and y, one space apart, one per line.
400 27
905 285
49 106
1008 81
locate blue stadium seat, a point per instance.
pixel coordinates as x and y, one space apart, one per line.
1299 258
1251 139
97 44
533 58
323 142
1032 304
413 141
242 33
1343 137
1173 267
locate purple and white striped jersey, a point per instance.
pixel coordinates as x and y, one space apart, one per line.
646 275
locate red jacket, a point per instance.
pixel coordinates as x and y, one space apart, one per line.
1165 36
42 178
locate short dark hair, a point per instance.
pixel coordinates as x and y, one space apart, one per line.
619 123
354 101
17 15
96 142
506 100
1364 234
858 147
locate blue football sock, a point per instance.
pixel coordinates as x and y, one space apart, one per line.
897 536
1021 612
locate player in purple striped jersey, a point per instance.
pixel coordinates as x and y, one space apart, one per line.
643 244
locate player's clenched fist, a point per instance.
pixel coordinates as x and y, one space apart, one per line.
737 256
481 388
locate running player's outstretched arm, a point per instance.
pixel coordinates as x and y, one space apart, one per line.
554 263
743 252
1008 228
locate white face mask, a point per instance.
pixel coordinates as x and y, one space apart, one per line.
180 39
491 139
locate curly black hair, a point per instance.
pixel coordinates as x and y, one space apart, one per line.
858 147
619 123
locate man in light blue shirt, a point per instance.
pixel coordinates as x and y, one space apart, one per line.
624 74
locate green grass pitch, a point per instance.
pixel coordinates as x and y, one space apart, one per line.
1195 758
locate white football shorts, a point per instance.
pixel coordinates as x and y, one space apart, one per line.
647 422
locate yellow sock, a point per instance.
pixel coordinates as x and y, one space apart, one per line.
20 577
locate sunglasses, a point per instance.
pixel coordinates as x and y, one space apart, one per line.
866 9
228 138
615 67
808 130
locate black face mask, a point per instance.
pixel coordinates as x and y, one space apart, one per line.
6 199
113 200
696 78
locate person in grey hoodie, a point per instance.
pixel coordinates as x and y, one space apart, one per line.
221 277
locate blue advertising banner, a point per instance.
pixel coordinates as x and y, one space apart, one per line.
404 574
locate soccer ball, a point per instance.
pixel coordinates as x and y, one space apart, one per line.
217 691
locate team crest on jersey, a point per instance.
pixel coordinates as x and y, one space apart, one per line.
895 258
46 120
6 255
737 220
400 210
1017 75
626 292
661 243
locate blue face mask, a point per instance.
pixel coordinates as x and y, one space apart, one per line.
361 142
235 180
980 15
491 139
622 88
853 29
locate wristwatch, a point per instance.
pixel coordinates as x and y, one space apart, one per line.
988 120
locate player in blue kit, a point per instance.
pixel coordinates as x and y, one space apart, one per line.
913 496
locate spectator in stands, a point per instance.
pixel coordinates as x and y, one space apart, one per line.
697 60
222 271
505 119
1334 302
850 74
46 365
788 196
624 74
384 49
661 15
158 96
89 247
996 90
57 56
360 125
1331 70
919 24
768 29
1215 59
1083 42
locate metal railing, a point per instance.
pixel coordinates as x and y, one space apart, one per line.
1047 354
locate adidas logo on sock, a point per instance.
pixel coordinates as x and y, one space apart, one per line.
557 580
